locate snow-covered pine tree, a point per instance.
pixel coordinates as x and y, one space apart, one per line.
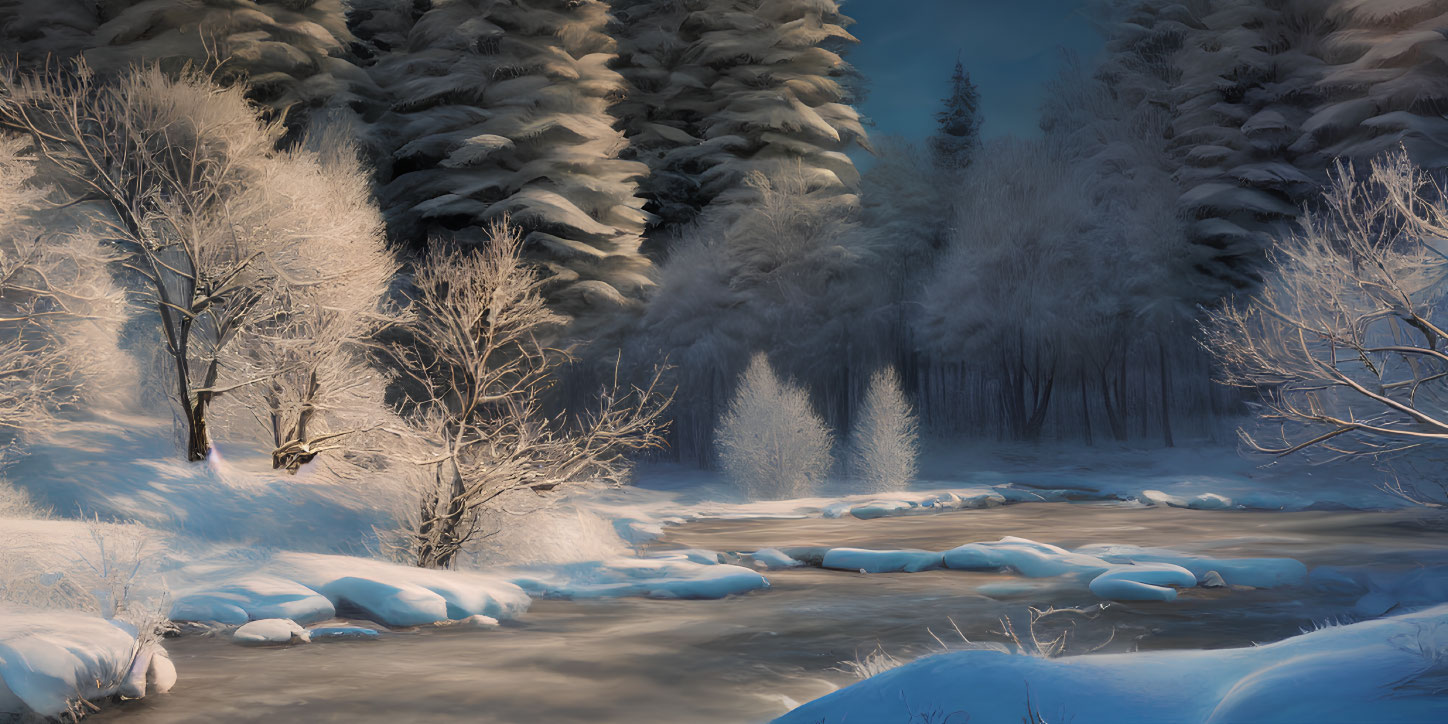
501 107
723 88
776 100
958 137
1384 84
662 107
1247 82
290 52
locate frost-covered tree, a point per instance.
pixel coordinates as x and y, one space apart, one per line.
287 52
1344 339
1023 229
885 441
770 441
795 274
317 389
479 372
958 136
500 107
219 234
55 293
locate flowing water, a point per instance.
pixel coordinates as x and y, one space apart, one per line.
746 658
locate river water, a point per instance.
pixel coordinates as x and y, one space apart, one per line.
747 658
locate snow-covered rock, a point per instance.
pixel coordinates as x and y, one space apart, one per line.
1383 671
1254 572
868 561
48 659
315 585
271 631
1142 582
773 559
656 577
1026 557
252 598
151 669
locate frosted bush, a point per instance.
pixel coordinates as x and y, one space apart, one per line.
771 442
886 438
15 502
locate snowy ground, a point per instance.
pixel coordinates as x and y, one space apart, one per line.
1387 670
281 559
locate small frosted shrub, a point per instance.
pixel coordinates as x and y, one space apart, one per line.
886 438
771 442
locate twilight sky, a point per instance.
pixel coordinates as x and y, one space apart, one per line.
1010 48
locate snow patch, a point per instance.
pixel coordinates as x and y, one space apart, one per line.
1380 671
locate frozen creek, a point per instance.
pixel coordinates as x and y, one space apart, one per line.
746 658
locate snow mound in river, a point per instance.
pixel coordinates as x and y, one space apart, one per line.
310 587
681 574
50 659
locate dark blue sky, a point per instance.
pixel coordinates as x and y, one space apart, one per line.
1010 48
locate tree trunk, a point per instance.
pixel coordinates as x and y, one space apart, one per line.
1165 393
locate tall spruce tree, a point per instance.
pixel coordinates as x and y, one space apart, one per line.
958 137
290 52
1384 84
721 89
501 107
663 104
1246 84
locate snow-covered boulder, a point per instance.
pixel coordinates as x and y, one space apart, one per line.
1254 572
1142 582
1026 557
271 631
252 598
151 669
773 559
49 659
868 561
313 586
661 577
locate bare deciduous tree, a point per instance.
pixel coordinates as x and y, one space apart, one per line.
262 267
1343 339
478 369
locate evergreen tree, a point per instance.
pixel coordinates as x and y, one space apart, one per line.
290 52
959 135
1247 82
721 89
662 106
1383 84
501 107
